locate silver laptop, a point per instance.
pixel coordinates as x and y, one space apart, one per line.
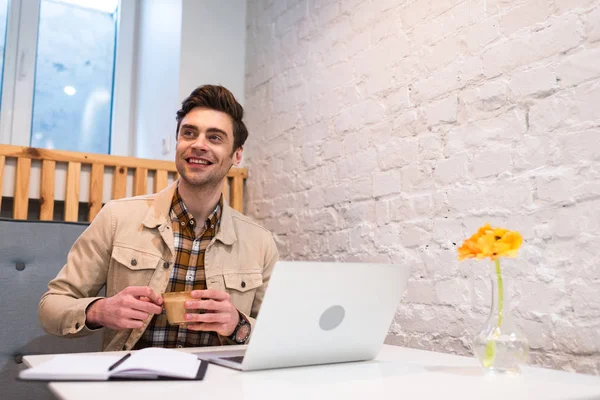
321 313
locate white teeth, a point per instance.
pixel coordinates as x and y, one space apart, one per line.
194 161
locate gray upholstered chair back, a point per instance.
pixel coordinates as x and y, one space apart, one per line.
31 254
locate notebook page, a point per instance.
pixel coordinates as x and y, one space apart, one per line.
72 367
163 362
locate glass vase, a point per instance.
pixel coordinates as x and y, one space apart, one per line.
500 346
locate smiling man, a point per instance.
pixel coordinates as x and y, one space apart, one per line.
184 238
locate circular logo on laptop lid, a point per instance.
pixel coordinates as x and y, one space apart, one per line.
332 318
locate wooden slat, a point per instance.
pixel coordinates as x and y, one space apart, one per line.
140 181
236 193
21 204
72 192
161 180
47 190
2 161
119 189
96 190
85 158
225 189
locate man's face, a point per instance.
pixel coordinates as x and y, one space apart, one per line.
204 147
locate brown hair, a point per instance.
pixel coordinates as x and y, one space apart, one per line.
220 99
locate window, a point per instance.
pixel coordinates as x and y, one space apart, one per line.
3 23
74 75
64 58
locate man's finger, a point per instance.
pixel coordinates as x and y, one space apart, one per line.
206 305
135 315
145 306
219 318
210 294
211 327
144 291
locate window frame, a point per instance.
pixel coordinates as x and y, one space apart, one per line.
16 112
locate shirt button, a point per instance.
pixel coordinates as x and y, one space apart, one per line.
179 346
243 284
166 264
133 262
212 226
192 222
182 223
76 325
189 278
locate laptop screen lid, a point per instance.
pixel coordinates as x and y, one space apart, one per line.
325 312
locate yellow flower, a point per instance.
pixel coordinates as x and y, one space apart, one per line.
491 243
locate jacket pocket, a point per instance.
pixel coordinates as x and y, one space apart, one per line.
130 267
134 259
243 281
242 287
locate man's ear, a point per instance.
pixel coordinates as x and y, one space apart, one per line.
237 156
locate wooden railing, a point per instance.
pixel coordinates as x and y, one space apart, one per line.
232 189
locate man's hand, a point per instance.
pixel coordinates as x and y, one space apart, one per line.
125 310
219 313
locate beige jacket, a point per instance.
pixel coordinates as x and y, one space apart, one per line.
139 229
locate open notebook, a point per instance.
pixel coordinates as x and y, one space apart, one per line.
150 363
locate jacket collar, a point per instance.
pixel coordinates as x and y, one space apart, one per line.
158 215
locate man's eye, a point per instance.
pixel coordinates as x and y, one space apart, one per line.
187 133
215 137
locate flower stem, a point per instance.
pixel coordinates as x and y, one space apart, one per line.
500 293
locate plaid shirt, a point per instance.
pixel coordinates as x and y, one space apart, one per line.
187 274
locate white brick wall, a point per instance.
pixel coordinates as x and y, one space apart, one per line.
390 130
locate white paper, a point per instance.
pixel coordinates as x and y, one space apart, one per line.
147 363
72 367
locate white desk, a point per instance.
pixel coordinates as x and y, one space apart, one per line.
397 373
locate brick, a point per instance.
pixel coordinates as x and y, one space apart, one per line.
326 13
441 82
407 124
580 67
385 183
561 36
400 209
442 111
331 148
507 126
564 6
430 147
524 16
356 213
580 146
492 162
441 54
412 236
397 153
453 292
382 212
567 108
592 28
531 152
422 204
480 35
585 295
567 223
538 81
488 97
540 297
414 13
452 170
421 291
554 189
417 177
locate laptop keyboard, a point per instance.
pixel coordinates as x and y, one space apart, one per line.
237 359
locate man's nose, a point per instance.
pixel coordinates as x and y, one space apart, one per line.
200 143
